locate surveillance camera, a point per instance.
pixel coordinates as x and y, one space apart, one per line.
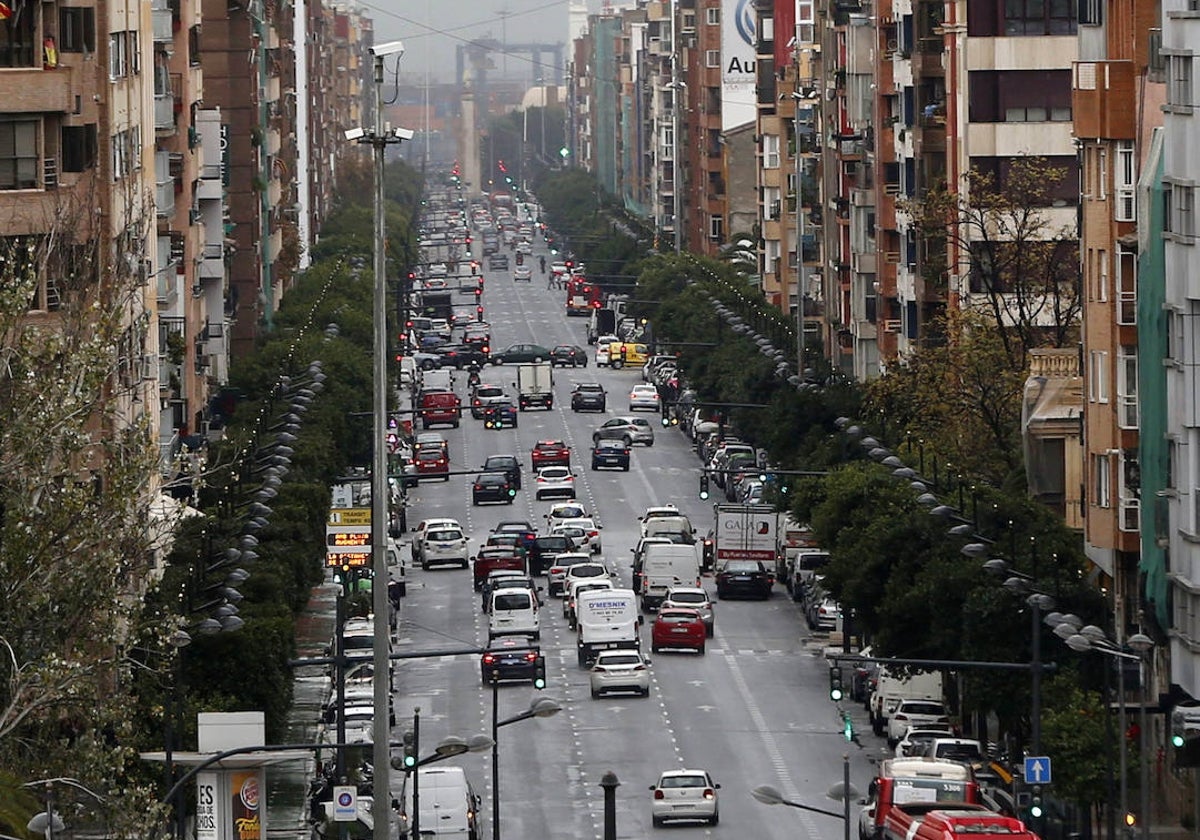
388 48
404 133
356 133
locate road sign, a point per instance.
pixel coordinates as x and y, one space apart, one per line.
349 516
1037 770
345 804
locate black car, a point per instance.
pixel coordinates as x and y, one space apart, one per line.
509 463
461 355
610 453
569 354
500 415
521 353
744 578
492 487
543 550
498 262
589 396
513 658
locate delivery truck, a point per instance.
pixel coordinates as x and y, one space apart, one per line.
605 619
535 385
746 532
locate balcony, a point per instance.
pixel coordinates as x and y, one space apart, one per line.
164 186
212 265
40 91
164 30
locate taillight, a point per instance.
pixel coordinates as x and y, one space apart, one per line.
593 533
478 486
709 793
531 657
488 659
658 794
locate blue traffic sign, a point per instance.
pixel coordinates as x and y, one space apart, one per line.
1037 770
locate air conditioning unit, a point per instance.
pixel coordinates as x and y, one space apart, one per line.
891 257
891 189
892 326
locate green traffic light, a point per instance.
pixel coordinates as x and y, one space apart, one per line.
835 694
1177 741
539 683
1035 810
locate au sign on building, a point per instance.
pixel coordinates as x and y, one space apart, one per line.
738 44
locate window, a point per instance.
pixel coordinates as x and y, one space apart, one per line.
1157 71
1101 275
1179 206
1102 174
716 227
688 23
712 58
1098 376
118 59
19 157
1091 12
771 209
1127 292
1101 481
126 152
78 147
18 37
770 151
771 253
712 16
194 46
1127 387
1179 83
77 30
1039 17
668 143
1124 183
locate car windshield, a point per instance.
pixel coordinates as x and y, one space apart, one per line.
923 709
491 478
570 531
429 455
688 597
592 388
511 601
555 473
959 752
587 571
445 535
488 391
683 782
676 617
610 444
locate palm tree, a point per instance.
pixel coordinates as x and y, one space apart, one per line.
17 805
742 253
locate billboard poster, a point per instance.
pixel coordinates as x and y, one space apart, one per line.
739 40
245 788
206 806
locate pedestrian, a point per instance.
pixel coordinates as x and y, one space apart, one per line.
542 264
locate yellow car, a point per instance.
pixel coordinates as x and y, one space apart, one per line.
621 354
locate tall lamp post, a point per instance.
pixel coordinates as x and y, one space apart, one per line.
379 139
768 795
1092 638
542 707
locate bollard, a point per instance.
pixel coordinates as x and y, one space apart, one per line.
610 784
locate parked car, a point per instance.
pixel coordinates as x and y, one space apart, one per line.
684 795
747 578
620 670
678 628
589 396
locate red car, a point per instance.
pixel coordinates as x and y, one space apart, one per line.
678 628
550 453
432 463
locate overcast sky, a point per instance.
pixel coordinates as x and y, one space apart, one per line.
433 29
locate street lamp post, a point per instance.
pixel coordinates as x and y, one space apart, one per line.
1092 638
542 707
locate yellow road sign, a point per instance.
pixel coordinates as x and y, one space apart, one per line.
350 516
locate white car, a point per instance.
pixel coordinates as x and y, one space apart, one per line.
445 546
620 670
523 273
435 284
554 481
922 713
418 540
684 795
692 598
591 539
918 738
644 397
602 348
556 575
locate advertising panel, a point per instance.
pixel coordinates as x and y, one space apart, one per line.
206 805
246 790
738 43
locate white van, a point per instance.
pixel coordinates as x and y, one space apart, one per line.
449 805
514 611
665 567
437 380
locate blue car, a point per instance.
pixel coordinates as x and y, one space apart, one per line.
500 416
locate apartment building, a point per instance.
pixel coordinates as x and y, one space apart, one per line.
704 217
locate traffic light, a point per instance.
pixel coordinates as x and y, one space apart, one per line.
1035 801
539 674
410 751
1185 735
835 683
479 317
703 486
848 727
478 292
1130 819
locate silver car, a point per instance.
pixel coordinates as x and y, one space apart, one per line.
627 429
692 598
620 670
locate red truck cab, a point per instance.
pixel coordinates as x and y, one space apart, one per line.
911 783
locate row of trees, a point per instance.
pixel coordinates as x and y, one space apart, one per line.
88 677
951 412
